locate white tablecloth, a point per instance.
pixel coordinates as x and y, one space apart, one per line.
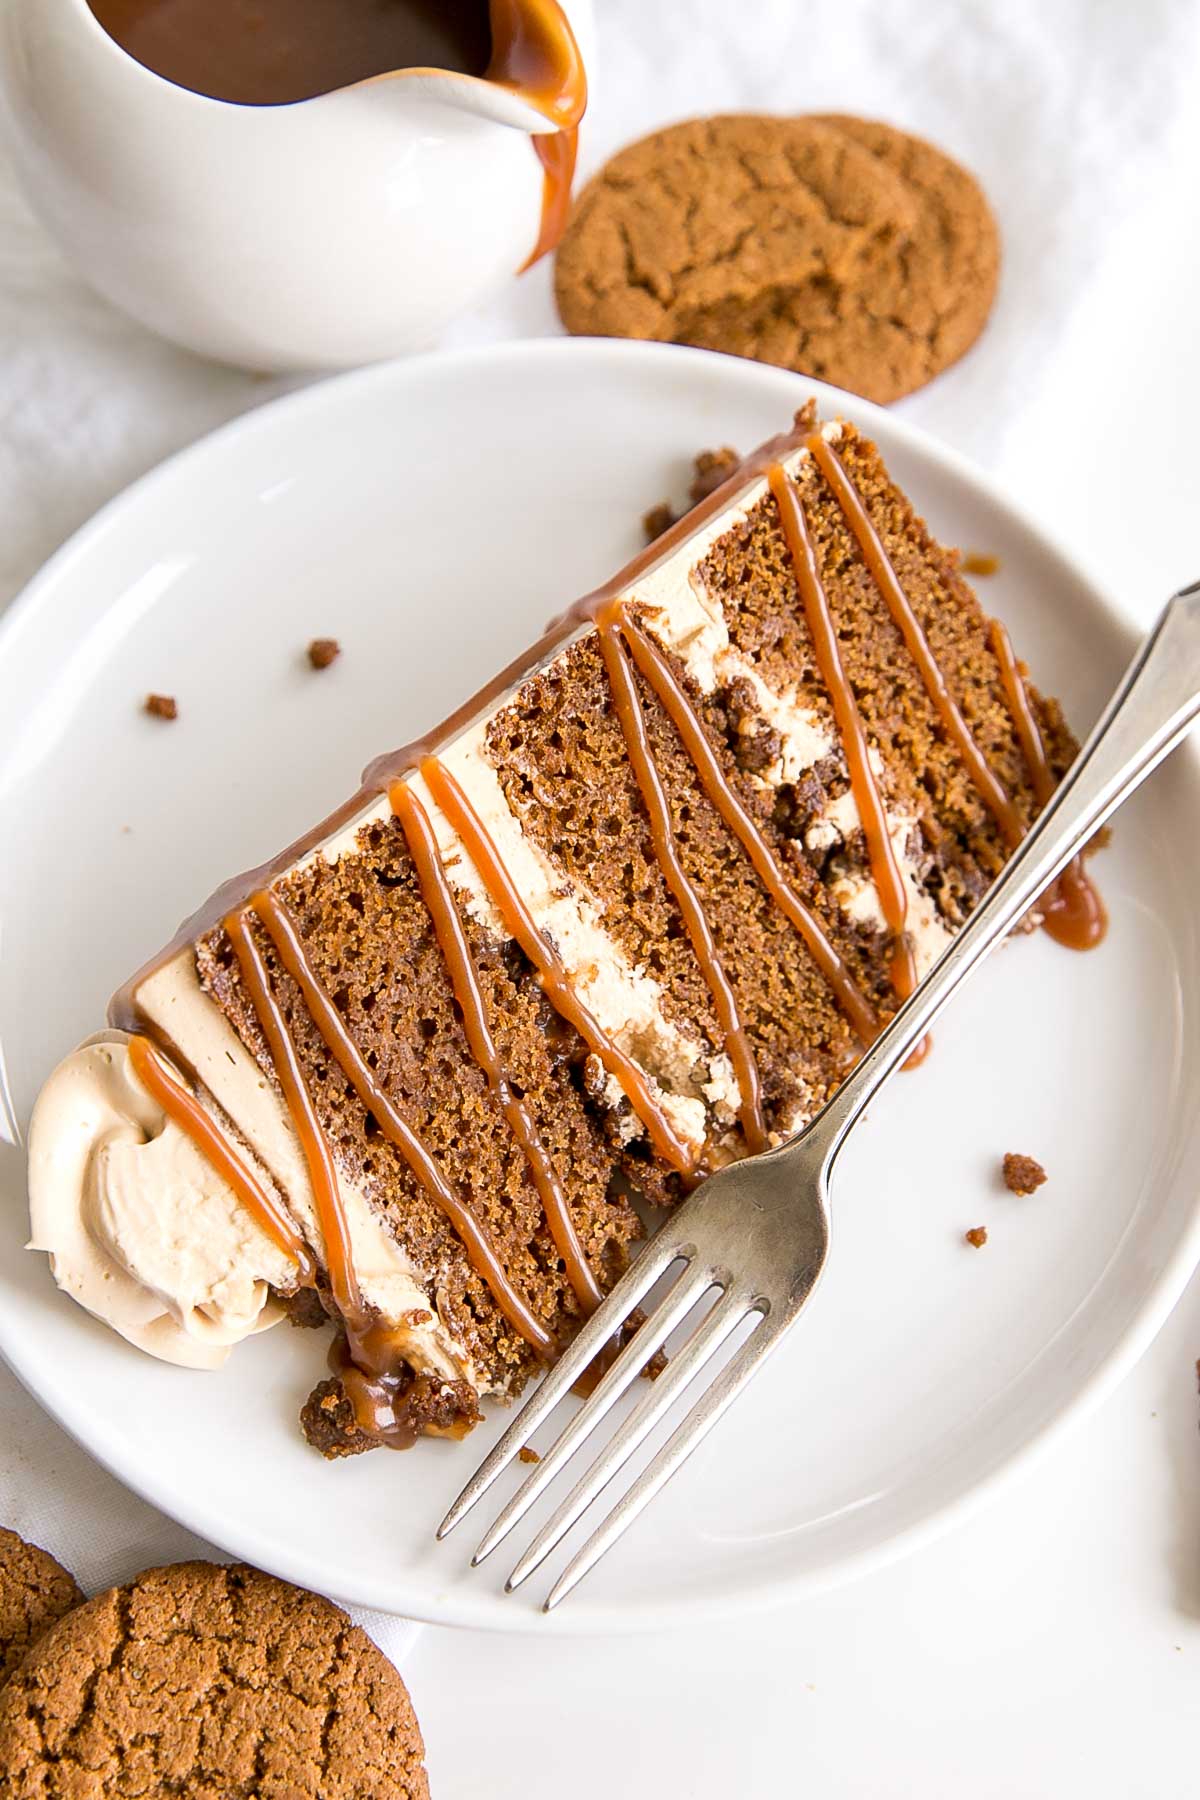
1054 1648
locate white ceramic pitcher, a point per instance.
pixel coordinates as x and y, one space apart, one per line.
329 232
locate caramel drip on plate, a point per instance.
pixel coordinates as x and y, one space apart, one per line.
672 696
1072 911
552 974
887 581
186 1112
885 870
464 979
281 928
298 1100
666 852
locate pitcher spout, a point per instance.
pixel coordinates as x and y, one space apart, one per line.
535 80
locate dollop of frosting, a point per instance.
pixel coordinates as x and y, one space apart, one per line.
138 1226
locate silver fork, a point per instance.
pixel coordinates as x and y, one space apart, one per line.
758 1231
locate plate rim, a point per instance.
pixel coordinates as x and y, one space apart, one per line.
481 1611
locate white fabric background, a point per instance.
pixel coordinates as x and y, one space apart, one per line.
1075 115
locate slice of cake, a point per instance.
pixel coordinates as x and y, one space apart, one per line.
631 913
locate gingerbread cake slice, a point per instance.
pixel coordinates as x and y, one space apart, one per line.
631 913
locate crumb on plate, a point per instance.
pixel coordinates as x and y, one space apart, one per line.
1022 1174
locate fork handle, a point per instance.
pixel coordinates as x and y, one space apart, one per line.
1149 714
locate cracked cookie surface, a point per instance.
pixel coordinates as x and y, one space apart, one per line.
219 1683
35 1591
923 303
835 246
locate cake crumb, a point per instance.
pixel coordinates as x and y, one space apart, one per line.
975 563
709 469
660 518
323 651
1022 1174
528 1454
976 1237
162 706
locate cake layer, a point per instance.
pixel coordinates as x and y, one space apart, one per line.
632 913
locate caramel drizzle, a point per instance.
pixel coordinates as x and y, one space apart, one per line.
551 972
281 928
317 1155
885 870
1072 911
468 991
186 1112
535 55
662 836
671 694
887 581
557 152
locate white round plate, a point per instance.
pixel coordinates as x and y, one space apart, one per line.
432 515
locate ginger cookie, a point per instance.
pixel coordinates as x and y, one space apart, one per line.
694 233
35 1591
837 247
198 1679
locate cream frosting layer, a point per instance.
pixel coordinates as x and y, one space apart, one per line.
174 1001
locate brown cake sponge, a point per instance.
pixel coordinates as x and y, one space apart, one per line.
836 246
35 1591
208 1681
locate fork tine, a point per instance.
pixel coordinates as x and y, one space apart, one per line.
662 1250
707 1338
674 1453
671 1310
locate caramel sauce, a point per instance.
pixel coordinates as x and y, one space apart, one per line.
552 975
557 152
279 52
670 691
186 1112
464 979
980 563
1072 911
898 604
378 1381
313 1143
534 54
376 1385
276 52
881 854
282 931
695 919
